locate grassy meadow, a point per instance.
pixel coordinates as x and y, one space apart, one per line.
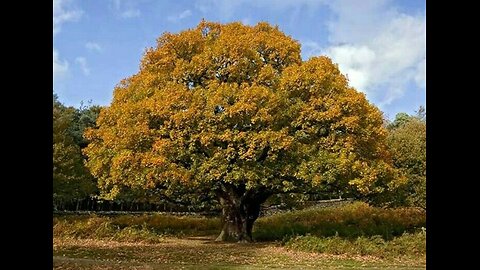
354 236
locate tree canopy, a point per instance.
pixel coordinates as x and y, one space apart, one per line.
407 143
71 179
232 111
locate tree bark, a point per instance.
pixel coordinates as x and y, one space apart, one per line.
240 210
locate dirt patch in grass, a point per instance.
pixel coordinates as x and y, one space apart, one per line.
204 253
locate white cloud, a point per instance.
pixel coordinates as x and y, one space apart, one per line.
64 11
125 9
92 46
355 61
130 13
380 49
356 22
60 68
181 16
82 62
421 74
226 9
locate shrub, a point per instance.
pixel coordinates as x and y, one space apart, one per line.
133 228
101 228
404 245
352 221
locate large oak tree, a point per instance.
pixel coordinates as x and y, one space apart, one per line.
233 110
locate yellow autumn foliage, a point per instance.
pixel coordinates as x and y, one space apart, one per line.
229 103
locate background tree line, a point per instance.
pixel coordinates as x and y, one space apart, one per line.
74 188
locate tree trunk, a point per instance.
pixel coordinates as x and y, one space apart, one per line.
234 223
239 213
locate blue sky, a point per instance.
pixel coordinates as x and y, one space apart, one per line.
379 44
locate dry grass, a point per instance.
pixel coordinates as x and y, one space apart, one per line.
168 242
352 221
204 253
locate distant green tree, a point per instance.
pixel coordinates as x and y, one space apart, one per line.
84 117
71 179
400 120
407 144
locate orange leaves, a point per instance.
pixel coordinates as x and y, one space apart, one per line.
163 147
